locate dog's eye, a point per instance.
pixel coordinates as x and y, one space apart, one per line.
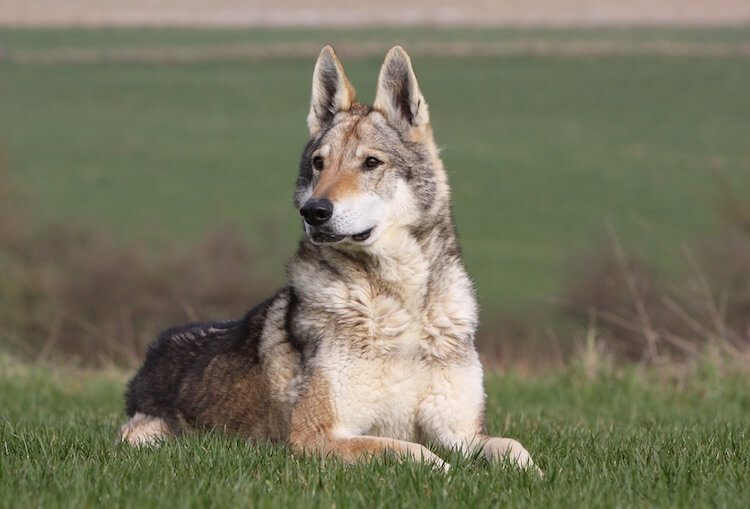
372 162
317 163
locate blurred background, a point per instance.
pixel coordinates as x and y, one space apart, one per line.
599 153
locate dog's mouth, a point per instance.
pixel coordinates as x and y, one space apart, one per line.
323 237
361 237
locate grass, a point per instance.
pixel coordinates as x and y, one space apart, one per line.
605 440
543 152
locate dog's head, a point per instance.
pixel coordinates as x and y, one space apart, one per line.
367 170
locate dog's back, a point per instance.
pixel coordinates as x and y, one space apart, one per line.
209 375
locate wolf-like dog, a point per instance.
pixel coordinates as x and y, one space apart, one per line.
369 349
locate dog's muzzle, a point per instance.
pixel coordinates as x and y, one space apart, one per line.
316 213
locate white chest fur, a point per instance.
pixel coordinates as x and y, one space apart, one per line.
424 312
392 344
394 355
401 398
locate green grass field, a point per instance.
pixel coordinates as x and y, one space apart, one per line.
603 441
543 151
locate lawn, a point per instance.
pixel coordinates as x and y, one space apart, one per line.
632 439
544 152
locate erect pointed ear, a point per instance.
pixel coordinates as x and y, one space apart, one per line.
398 96
331 91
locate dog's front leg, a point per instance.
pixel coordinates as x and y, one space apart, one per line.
453 415
468 439
317 429
357 448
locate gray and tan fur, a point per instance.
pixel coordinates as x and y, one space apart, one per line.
370 347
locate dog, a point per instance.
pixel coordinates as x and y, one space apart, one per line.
369 349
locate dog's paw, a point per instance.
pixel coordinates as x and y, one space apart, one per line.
509 450
143 429
442 466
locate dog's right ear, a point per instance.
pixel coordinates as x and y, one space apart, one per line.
331 91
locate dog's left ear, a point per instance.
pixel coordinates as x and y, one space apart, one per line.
398 96
331 91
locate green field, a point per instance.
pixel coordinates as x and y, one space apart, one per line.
161 136
543 151
603 441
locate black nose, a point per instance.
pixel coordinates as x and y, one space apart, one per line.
317 211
